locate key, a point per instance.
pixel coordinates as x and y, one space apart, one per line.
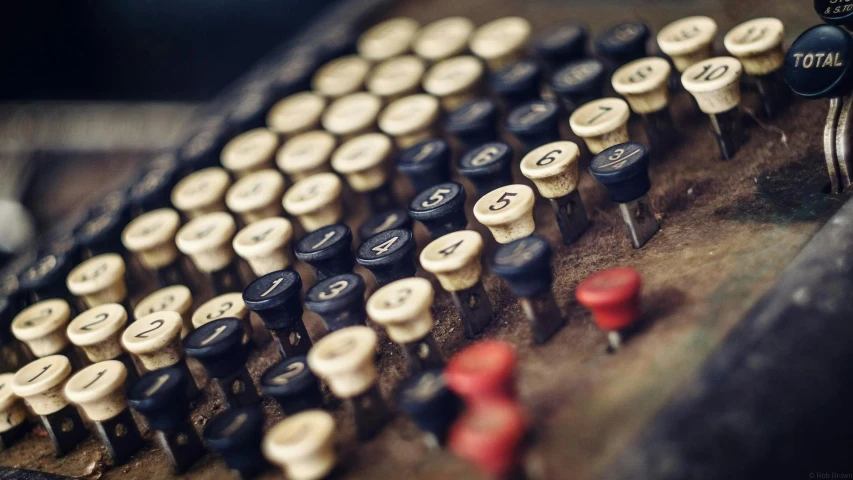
303 445
474 123
623 42
425 163
613 297
501 42
578 83
487 167
306 154
396 77
758 45
275 298
13 413
715 84
338 300
352 115
688 41
315 201
151 238
561 44
296 114
443 39
227 305
397 218
455 81
256 196
291 383
327 250
176 298
207 240
389 256
490 438
433 407
340 76
411 119
202 192
236 436
483 373
100 280
387 39
362 161
507 212
441 209
534 123
644 84
601 123
97 332
41 326
265 245
249 152
517 83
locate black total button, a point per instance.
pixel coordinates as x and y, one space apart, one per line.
818 63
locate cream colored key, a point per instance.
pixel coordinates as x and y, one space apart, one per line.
402 308
207 241
601 123
455 259
362 161
202 192
296 114
151 237
41 383
97 331
265 245
714 83
644 85
443 38
306 154
155 339
176 298
352 114
341 76
303 445
688 40
42 326
250 151
507 212
99 280
344 359
410 119
454 81
501 42
758 45
12 409
223 306
315 201
387 39
99 390
396 77
553 168
257 195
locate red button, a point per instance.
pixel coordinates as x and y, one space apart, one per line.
483 371
613 296
489 435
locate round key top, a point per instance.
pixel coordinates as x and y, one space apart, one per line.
151 237
396 77
389 255
315 201
623 169
562 44
402 308
643 83
397 218
425 163
296 114
613 297
339 301
601 123
161 398
489 437
818 63
176 298
328 250
99 280
410 119
454 81
207 241
387 39
98 331
341 76
99 390
578 82
758 45
155 339
303 445
265 244
454 259
474 123
501 42
553 168
306 154
534 123
483 372
507 212
443 38
12 411
688 40
623 42
432 406
352 114
292 385
218 345
42 326
345 360
487 166
41 384
275 298
714 83
361 161
236 435
228 305
201 192
517 82
834 12
250 151
525 265
256 196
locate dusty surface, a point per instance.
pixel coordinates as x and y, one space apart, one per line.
729 228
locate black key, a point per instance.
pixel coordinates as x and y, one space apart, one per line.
518 82
535 123
623 43
327 250
834 12
487 166
562 44
219 347
441 209
525 264
389 255
474 123
578 82
624 170
292 385
338 300
427 400
236 435
818 63
45 278
275 298
397 218
425 163
160 397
